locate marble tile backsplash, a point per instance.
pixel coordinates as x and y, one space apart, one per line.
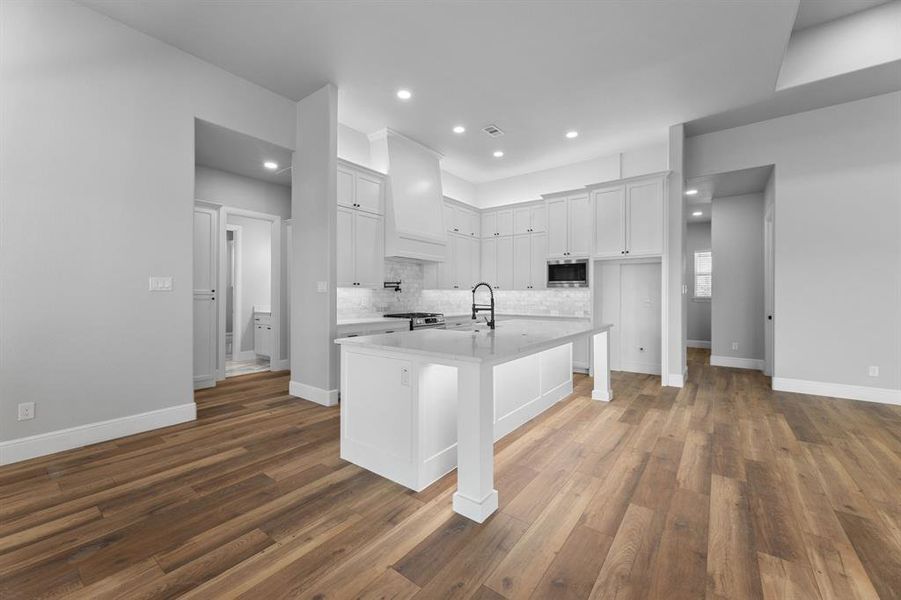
354 302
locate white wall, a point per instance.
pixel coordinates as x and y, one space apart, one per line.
353 145
737 313
256 272
838 236
458 188
97 123
238 191
697 240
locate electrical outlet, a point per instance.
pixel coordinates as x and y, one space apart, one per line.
26 411
322 287
735 345
160 284
873 371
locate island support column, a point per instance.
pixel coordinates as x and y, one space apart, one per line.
476 497
601 366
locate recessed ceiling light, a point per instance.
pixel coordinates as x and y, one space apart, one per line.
691 192
404 94
572 134
459 129
270 165
498 154
697 213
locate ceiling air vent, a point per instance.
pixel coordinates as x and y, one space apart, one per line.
493 130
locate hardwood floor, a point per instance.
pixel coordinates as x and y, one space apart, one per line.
723 489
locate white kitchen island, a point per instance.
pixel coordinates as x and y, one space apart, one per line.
416 404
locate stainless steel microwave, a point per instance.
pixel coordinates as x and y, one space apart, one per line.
567 272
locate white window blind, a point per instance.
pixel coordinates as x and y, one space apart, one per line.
703 274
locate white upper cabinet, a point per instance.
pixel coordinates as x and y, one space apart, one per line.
497 223
488 262
505 222
610 234
644 218
528 219
570 226
360 190
361 254
505 263
529 261
489 224
629 219
460 268
458 219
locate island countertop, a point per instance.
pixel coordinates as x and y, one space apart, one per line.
509 340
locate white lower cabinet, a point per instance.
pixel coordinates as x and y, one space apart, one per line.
497 263
361 250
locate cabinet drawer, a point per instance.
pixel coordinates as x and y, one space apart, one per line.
262 319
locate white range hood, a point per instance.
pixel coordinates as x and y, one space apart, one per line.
414 207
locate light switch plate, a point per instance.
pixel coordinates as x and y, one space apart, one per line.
873 371
160 284
322 286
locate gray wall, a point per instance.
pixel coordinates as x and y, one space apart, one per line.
838 234
737 314
97 123
697 240
238 191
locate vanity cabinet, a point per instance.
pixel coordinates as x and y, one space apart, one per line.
262 334
629 219
570 226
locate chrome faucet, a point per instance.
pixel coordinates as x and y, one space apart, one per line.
476 308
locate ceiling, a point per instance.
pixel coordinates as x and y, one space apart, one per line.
723 185
620 72
817 12
228 150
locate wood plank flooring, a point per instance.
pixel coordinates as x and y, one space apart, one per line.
723 489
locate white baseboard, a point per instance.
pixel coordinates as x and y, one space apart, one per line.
837 390
737 363
279 365
637 367
244 355
698 343
313 394
675 380
92 433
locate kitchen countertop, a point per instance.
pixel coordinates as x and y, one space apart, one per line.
370 319
366 319
510 339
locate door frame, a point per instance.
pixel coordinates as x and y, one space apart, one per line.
275 237
769 286
236 304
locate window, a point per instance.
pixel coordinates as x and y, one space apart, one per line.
703 274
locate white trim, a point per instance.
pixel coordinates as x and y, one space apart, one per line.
736 362
43 444
313 394
698 343
675 380
475 510
837 390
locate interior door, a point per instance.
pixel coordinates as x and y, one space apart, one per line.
505 263
368 253
206 315
610 227
640 319
345 241
522 261
644 206
581 226
539 261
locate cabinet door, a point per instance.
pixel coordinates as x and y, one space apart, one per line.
581 226
539 261
450 217
345 241
505 263
556 227
446 269
462 262
475 253
489 261
522 220
489 224
609 221
538 216
345 188
644 218
469 222
505 222
369 193
369 253
522 261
